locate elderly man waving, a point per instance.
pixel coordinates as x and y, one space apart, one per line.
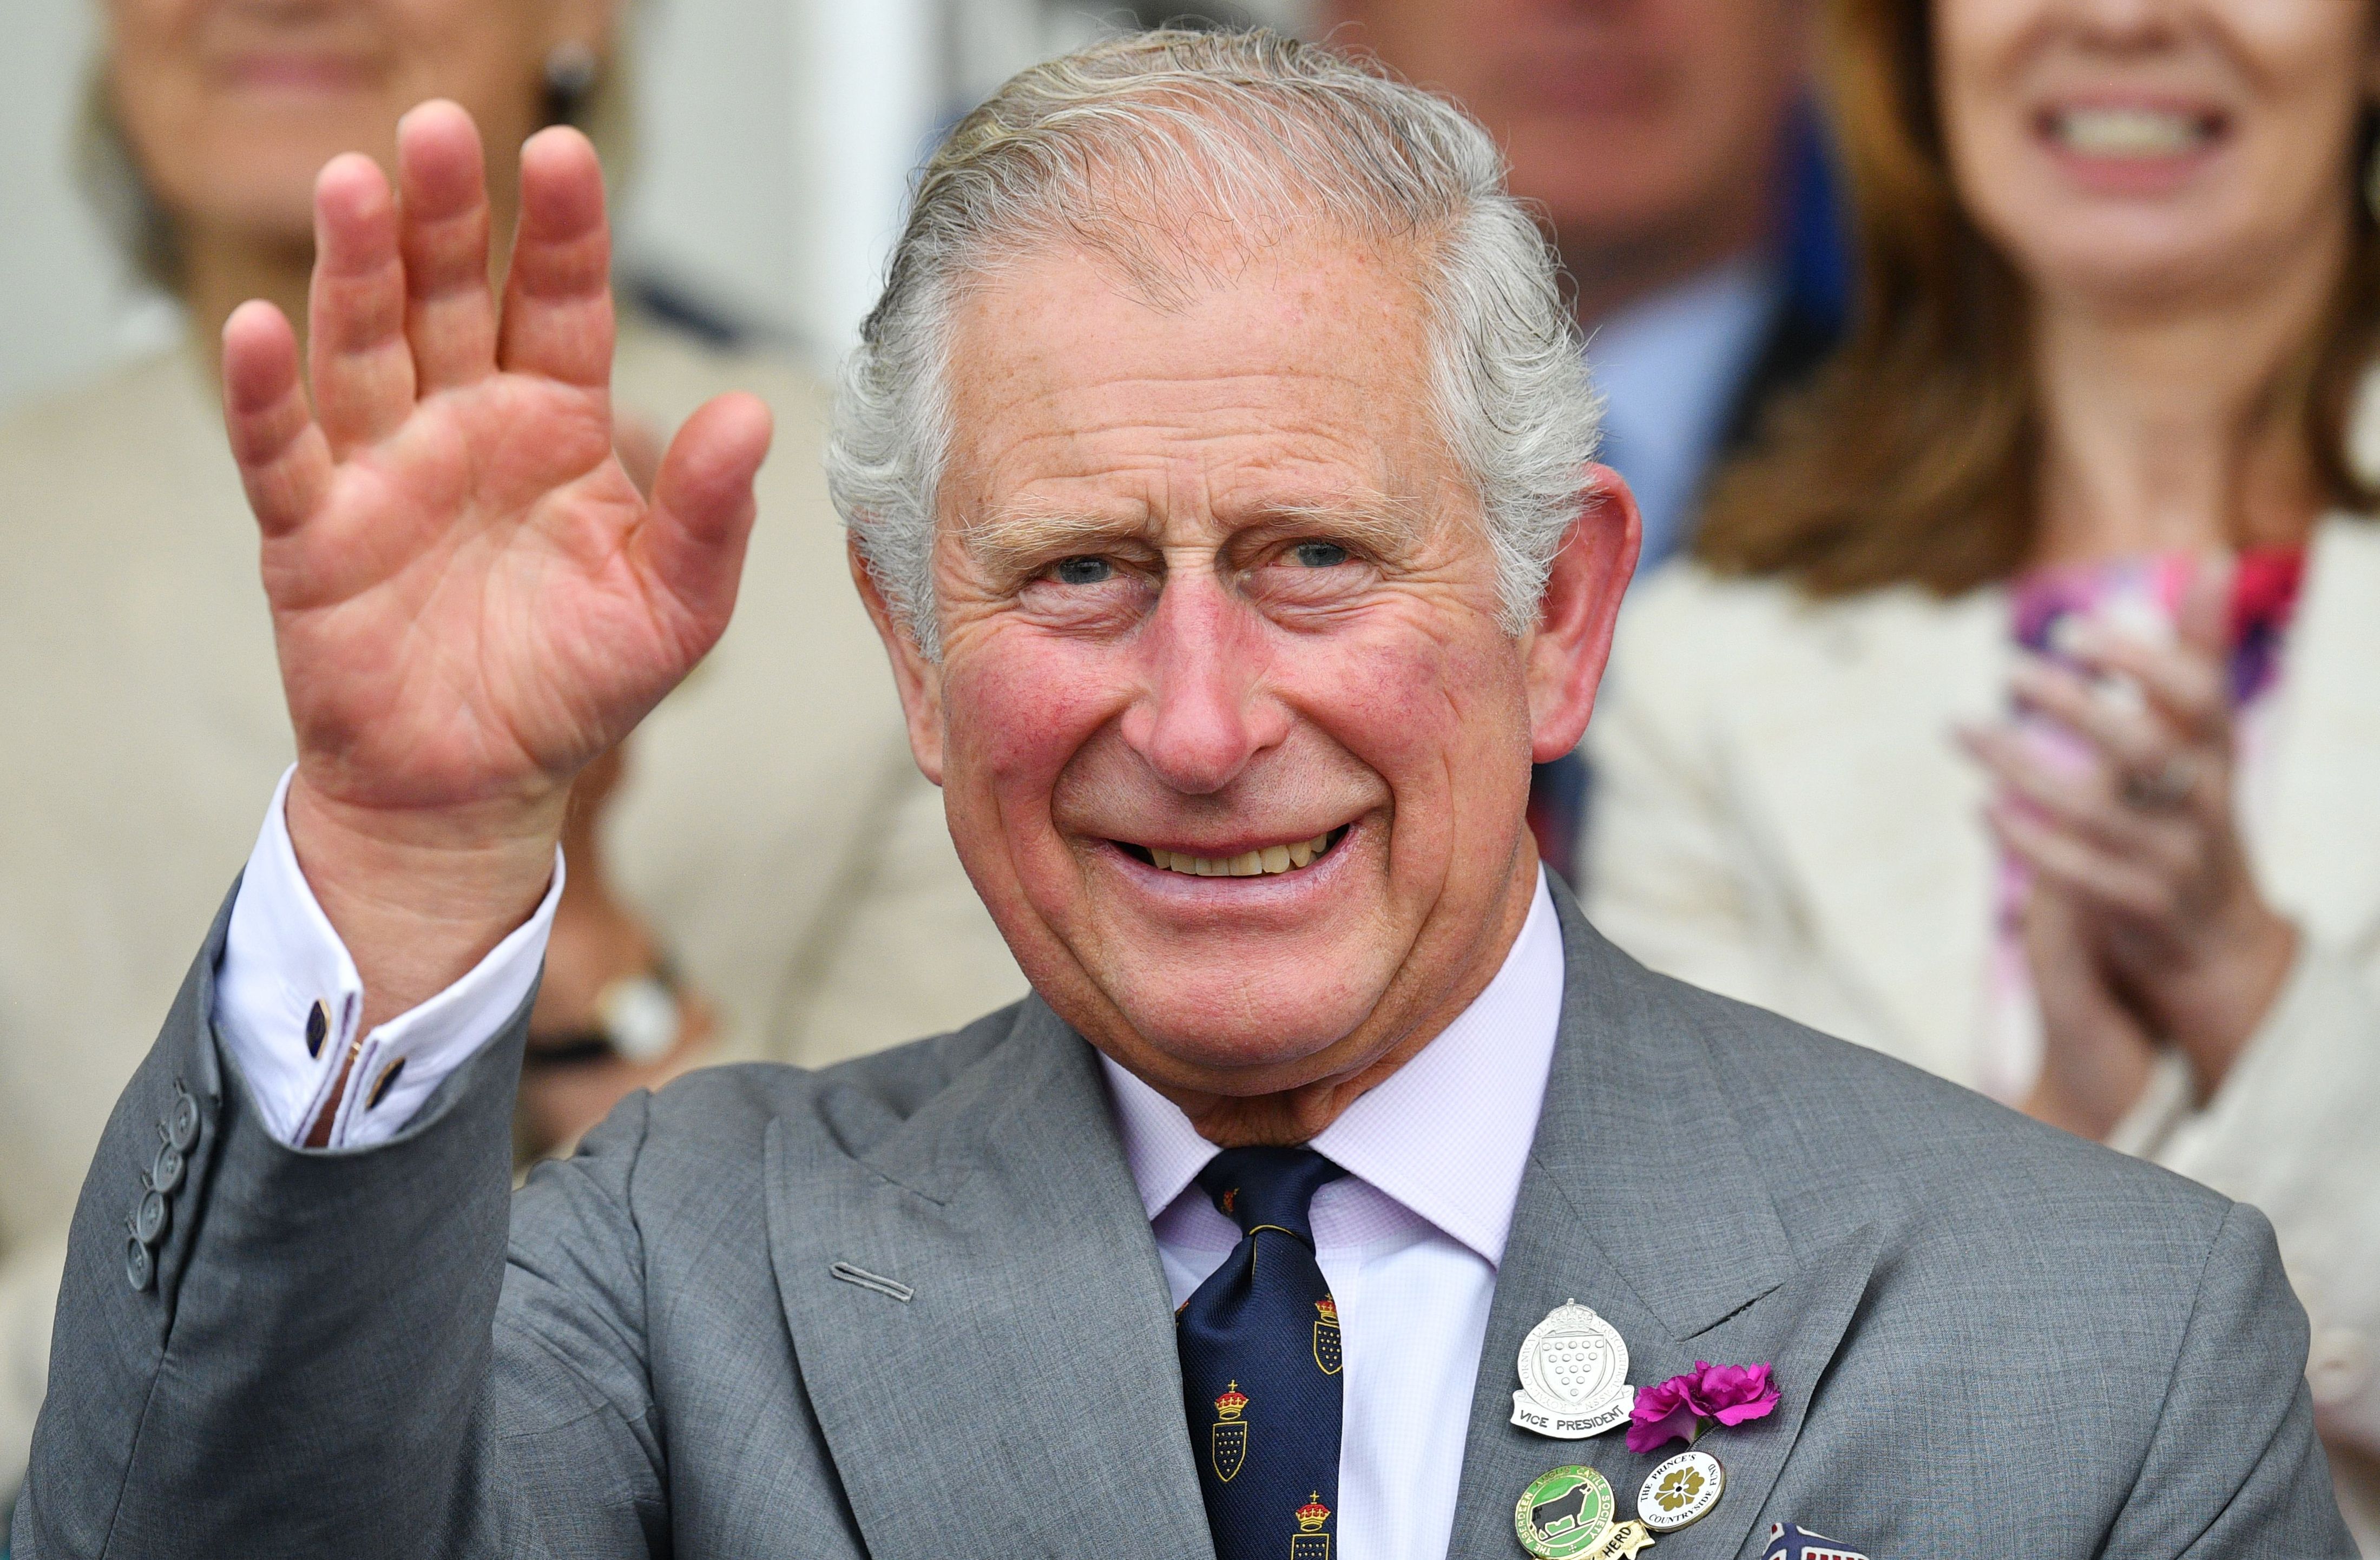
1216 463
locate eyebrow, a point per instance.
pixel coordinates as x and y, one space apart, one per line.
1025 534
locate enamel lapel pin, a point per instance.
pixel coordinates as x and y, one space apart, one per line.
1573 1377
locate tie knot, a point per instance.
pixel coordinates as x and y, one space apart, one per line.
1258 1188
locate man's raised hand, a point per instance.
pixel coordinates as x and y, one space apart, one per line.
470 598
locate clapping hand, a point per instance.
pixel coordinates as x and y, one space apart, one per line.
2146 926
471 599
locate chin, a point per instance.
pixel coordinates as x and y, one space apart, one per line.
1239 1026
2136 257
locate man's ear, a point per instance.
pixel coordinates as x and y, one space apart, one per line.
1572 638
919 679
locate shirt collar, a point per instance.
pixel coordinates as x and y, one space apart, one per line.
1447 1135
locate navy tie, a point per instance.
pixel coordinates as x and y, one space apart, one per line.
1260 1363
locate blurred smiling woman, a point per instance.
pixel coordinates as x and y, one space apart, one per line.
2018 715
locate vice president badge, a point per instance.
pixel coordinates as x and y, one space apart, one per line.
1573 1377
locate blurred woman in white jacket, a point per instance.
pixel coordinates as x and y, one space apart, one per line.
2019 713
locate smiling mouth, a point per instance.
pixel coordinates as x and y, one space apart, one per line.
1270 861
2131 131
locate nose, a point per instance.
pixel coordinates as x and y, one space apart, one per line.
1204 714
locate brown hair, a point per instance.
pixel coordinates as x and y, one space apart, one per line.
1911 458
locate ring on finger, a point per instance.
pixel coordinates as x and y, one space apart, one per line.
2167 787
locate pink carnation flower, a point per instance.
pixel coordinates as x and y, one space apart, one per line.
1684 1407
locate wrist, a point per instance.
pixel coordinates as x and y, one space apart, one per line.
420 896
2211 1010
2090 1100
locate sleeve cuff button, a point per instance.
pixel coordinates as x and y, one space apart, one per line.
182 1126
150 1217
139 1267
165 1175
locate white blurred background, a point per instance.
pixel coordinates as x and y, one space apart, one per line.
775 140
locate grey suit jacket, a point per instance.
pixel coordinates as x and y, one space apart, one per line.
910 1307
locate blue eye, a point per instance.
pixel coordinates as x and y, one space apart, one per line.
1083 571
1319 554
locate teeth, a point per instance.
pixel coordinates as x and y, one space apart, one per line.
2129 132
1272 859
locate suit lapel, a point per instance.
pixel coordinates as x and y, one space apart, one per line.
1852 786
1025 1398
2318 843
1639 1202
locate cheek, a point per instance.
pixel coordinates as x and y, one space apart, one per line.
485 57
173 129
1018 707
2301 41
2315 61
1443 720
1978 49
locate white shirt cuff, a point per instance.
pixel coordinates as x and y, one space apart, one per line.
288 1000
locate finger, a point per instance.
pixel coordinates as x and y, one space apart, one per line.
691 541
362 365
284 462
2182 681
2134 738
449 311
2074 867
2085 807
557 319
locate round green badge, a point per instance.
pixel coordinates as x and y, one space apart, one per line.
1563 1512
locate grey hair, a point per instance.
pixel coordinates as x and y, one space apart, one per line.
1137 147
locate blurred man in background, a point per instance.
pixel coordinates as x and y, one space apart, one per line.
1665 144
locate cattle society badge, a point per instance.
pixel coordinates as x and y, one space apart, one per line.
1573 1377
1566 1514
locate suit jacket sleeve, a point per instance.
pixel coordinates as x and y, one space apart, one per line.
314 1363
2233 1470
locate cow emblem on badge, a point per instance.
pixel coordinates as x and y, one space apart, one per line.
1227 1444
1326 1336
1564 1513
1573 1375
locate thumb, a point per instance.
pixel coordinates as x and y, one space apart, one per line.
691 543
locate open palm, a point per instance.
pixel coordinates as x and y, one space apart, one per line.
470 596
